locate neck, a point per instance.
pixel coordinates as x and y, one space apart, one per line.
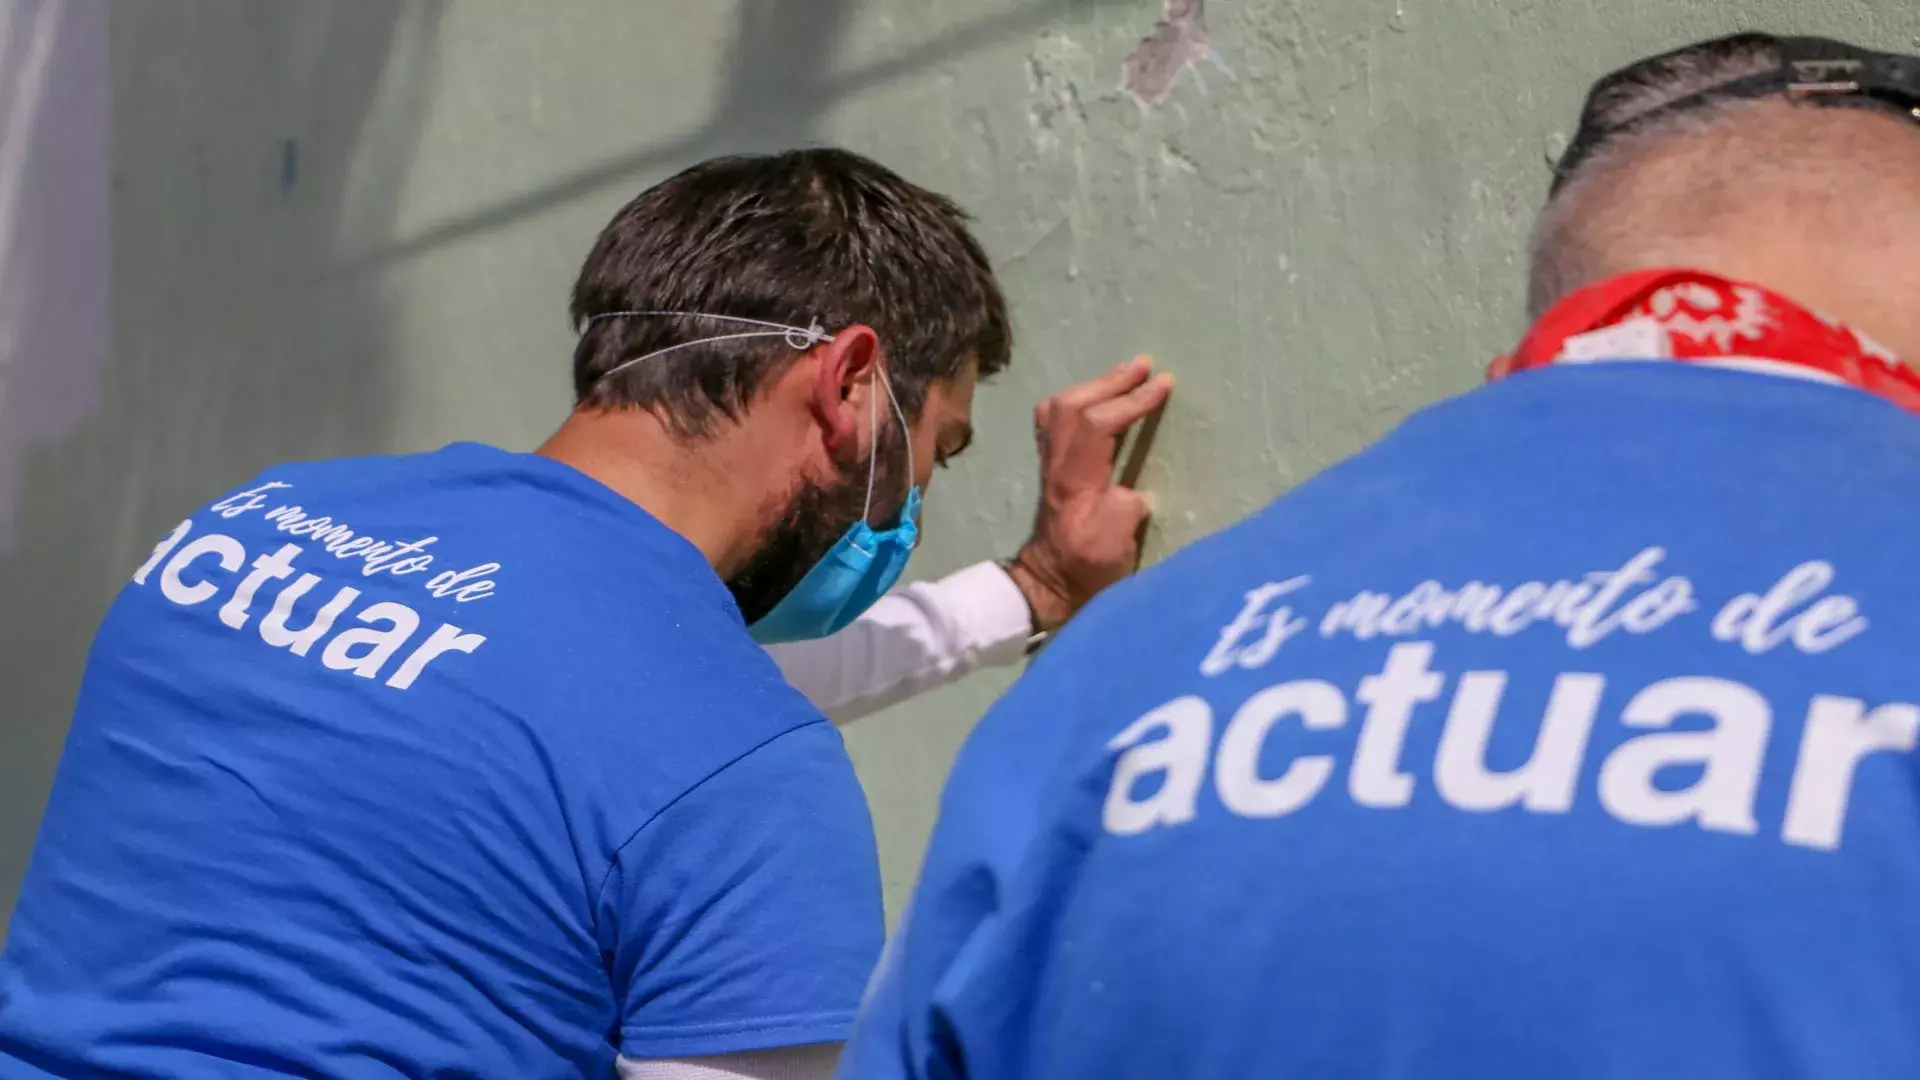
699 491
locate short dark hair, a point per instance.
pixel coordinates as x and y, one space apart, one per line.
1736 68
822 234
1699 95
1625 100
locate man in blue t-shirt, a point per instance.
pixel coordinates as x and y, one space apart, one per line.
1570 731
470 763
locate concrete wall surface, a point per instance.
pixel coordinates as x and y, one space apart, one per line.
349 226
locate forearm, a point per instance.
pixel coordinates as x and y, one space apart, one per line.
917 637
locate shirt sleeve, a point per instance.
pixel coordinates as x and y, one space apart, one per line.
746 916
786 1063
915 638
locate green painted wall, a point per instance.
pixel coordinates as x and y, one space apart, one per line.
344 227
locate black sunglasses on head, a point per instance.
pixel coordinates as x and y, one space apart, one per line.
1818 71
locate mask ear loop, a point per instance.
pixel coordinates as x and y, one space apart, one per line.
800 339
873 423
873 459
873 456
906 436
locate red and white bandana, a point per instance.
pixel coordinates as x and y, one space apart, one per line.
1692 315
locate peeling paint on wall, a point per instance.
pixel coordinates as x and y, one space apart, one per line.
1177 44
1055 69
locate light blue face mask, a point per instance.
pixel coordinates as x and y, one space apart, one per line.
866 562
856 571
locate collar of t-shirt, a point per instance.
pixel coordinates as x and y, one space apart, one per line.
1694 316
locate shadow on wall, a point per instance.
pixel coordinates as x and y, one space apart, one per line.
53 228
781 81
259 154
253 145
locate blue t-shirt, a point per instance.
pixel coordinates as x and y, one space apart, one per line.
1567 732
449 765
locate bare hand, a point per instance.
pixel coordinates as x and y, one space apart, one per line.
1086 535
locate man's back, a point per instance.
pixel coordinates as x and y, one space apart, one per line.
1567 732
457 764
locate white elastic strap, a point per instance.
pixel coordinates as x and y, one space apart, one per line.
798 337
873 422
624 365
873 456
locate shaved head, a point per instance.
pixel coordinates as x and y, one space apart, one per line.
1820 203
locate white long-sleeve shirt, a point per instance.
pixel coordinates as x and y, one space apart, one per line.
915 638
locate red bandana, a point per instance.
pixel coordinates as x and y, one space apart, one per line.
1694 315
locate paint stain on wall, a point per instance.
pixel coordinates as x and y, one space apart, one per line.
1178 43
1055 68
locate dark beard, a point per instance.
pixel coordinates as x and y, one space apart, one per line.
815 519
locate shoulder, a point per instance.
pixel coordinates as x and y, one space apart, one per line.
747 912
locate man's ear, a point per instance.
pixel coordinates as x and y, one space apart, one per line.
843 383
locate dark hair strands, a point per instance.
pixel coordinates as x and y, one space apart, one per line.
789 238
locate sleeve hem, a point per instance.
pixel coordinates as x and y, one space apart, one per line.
727 1037
993 611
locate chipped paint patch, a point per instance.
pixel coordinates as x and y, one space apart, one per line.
1055 69
1178 42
